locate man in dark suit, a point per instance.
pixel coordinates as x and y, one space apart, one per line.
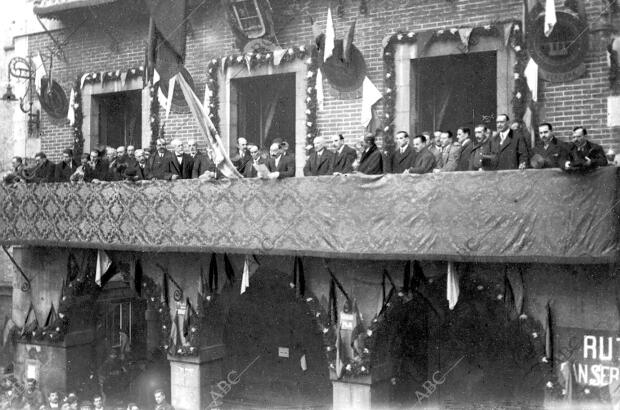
510 149
344 156
403 156
371 162
45 169
424 160
66 167
320 161
160 164
203 166
241 156
464 138
250 171
280 166
450 153
548 150
181 162
137 169
194 153
480 157
583 154
97 170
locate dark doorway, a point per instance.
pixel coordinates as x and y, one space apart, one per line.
453 91
120 119
266 109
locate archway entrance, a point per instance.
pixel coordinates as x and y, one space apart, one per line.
269 322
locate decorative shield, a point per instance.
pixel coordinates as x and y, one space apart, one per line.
53 99
344 76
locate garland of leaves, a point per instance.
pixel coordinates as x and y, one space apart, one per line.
404 37
105 76
78 137
154 119
261 58
520 94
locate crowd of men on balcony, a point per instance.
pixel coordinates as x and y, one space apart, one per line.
438 152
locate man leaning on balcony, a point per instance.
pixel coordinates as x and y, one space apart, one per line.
160 164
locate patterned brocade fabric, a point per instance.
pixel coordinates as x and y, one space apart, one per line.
507 216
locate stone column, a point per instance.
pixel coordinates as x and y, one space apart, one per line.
192 376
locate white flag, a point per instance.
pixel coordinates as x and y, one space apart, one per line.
39 71
452 291
277 55
370 95
303 364
103 264
207 102
531 76
71 111
550 18
320 96
245 278
330 36
171 84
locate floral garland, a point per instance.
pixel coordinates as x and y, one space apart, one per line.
404 37
78 137
256 59
105 76
521 90
154 119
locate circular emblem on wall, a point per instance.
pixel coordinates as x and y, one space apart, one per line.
258 45
178 99
560 57
53 99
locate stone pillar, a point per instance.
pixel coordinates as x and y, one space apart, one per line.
192 376
362 393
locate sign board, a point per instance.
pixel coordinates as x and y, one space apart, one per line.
283 352
347 321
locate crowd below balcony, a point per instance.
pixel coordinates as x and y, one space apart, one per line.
485 150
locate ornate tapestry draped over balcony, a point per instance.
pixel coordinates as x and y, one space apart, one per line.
510 216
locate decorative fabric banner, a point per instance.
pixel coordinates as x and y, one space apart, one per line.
370 95
320 94
220 156
464 33
71 111
277 55
303 364
452 287
515 280
249 267
531 76
123 78
330 36
527 121
103 264
207 102
550 17
83 79
549 334
160 94
248 62
171 84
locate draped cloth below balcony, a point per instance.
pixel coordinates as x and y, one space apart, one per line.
44 7
507 216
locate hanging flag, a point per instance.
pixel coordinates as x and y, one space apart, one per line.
220 153
84 76
71 111
228 269
332 303
103 264
9 325
171 84
339 352
277 55
320 94
550 17
370 95
174 332
464 34
31 323
330 36
213 275
302 363
347 43
549 334
515 280
165 291
51 317
39 71
187 319
207 102
299 279
249 267
566 370
531 76
248 62
452 288
137 277
123 78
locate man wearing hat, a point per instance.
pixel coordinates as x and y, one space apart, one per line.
371 162
549 150
66 167
582 154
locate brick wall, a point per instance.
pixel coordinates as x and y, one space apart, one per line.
582 101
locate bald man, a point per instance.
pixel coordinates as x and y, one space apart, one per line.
280 166
320 161
241 156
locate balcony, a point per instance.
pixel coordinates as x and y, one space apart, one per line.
544 216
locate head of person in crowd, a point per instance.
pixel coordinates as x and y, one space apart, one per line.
192 146
428 135
67 155
31 384
177 145
369 142
110 154
502 122
121 152
160 144
337 142
98 402
140 157
419 143
275 150
401 139
160 396
515 126
545 130
489 133
53 397
40 158
254 151
209 152
16 162
319 144
580 135
73 401
65 405
446 138
277 141
147 153
133 406
436 138
480 133
84 159
284 146
462 134
94 157
86 405
131 151
242 144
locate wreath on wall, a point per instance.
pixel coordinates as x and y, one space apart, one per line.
262 58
